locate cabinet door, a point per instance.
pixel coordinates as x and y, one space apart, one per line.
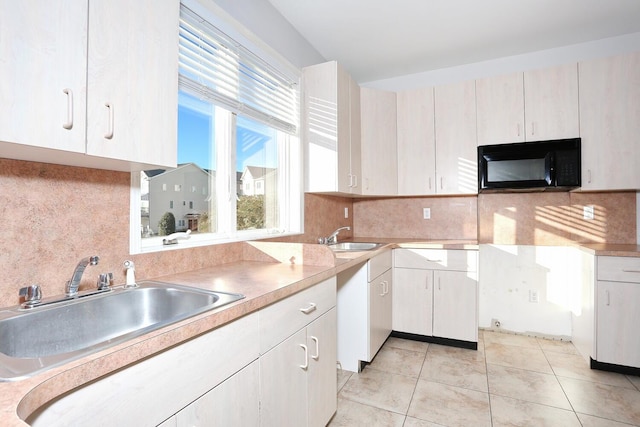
456 146
378 142
133 80
331 126
455 305
416 142
500 109
551 103
43 84
610 122
617 323
322 387
235 402
380 306
413 301
283 383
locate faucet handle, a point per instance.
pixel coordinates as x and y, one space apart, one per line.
105 281
32 295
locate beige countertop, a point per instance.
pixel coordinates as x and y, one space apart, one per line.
273 272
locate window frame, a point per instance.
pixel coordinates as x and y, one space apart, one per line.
293 176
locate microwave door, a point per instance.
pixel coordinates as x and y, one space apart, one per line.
517 170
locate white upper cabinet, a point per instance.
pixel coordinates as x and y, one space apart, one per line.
531 106
456 149
378 113
105 86
610 122
551 103
331 129
132 100
43 65
416 142
500 107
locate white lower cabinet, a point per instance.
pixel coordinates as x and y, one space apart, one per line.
435 293
364 310
617 314
298 377
155 389
235 402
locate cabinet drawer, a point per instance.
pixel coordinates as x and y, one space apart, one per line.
283 318
436 259
378 265
619 269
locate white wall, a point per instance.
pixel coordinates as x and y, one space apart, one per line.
265 22
507 274
540 59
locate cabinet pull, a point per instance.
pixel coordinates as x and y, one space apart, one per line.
441 183
630 271
355 180
439 285
429 183
426 283
69 123
589 176
608 298
309 309
109 134
382 286
306 357
434 260
350 181
533 128
518 128
315 340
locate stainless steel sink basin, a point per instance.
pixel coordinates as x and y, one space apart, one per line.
36 339
355 246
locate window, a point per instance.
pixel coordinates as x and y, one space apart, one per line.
238 141
171 204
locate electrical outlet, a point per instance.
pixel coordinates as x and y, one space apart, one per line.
426 213
533 296
346 213
588 212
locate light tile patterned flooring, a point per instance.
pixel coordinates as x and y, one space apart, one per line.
511 380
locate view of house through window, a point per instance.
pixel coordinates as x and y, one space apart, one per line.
186 198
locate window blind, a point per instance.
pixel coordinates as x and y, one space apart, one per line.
215 67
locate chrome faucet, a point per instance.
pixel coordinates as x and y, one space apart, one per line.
71 289
333 238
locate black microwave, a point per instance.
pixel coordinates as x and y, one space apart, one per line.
530 166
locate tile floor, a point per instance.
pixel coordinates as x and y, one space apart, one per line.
511 380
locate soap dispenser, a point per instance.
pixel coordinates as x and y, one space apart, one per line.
130 281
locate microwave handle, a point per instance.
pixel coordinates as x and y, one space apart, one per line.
551 167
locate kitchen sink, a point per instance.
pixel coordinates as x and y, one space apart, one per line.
355 246
36 339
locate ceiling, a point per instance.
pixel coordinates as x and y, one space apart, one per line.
378 39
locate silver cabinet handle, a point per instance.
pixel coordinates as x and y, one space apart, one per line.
382 286
306 357
355 180
69 123
589 176
315 340
308 309
608 297
109 134
631 271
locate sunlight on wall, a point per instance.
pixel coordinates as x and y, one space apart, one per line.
504 227
563 220
467 175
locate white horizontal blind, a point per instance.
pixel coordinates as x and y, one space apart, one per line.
214 66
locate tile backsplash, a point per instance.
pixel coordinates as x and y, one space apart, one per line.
55 215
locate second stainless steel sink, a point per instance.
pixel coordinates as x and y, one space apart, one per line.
37 339
355 246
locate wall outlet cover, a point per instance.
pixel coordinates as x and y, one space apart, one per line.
426 213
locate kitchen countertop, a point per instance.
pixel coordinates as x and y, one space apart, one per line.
275 271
